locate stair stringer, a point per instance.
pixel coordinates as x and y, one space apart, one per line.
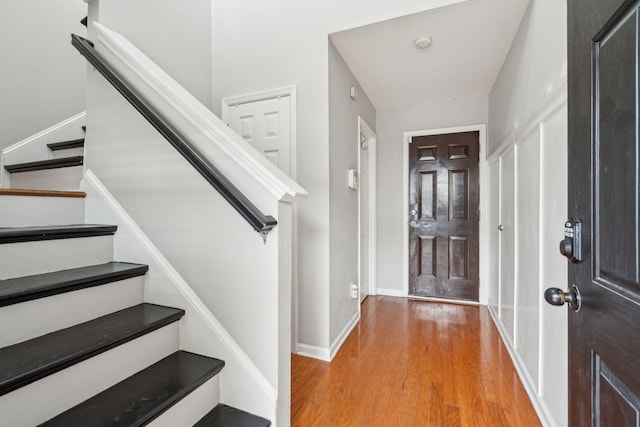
35 147
242 384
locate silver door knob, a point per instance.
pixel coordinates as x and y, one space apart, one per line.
413 212
500 227
556 296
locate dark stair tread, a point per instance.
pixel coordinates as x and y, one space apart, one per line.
21 289
64 145
63 162
84 21
41 193
31 360
54 232
145 395
84 128
227 416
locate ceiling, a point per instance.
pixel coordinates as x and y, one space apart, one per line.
470 42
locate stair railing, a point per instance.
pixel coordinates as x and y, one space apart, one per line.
259 221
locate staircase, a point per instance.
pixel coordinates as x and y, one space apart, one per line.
79 345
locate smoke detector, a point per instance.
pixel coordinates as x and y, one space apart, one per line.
422 43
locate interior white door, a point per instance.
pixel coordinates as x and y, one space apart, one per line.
363 190
266 124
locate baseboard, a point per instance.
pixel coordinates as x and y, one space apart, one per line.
538 404
444 300
237 360
342 336
390 292
315 352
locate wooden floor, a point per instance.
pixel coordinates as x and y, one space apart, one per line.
413 363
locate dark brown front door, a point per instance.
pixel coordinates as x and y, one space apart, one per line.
604 167
443 216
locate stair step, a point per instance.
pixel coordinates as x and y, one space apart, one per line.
21 289
144 396
41 193
54 232
227 416
84 22
37 358
65 145
62 162
84 128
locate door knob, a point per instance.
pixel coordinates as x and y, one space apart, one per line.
500 227
556 296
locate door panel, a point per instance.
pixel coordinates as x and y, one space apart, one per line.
528 253
553 270
494 237
604 170
443 201
266 125
507 241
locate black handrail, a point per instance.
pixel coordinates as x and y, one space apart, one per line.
260 222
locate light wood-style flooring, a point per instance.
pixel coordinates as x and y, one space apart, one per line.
413 363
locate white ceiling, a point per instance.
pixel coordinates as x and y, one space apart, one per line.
470 42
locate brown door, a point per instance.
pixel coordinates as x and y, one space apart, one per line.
443 216
604 335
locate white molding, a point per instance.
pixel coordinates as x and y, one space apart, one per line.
327 354
484 202
391 293
33 139
343 335
245 157
200 309
538 404
547 109
372 229
315 352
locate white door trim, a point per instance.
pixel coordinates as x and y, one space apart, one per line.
289 91
372 152
484 186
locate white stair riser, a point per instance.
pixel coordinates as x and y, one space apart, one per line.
50 396
24 211
28 258
50 179
192 408
69 152
42 316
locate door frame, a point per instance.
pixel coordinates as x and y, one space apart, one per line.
372 229
289 91
484 217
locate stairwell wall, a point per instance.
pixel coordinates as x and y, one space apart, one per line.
224 261
42 77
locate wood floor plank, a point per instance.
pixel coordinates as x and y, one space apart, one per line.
413 363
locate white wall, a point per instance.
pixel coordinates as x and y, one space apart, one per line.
42 77
175 35
391 123
264 45
528 157
343 212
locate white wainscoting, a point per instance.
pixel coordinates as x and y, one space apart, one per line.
528 180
